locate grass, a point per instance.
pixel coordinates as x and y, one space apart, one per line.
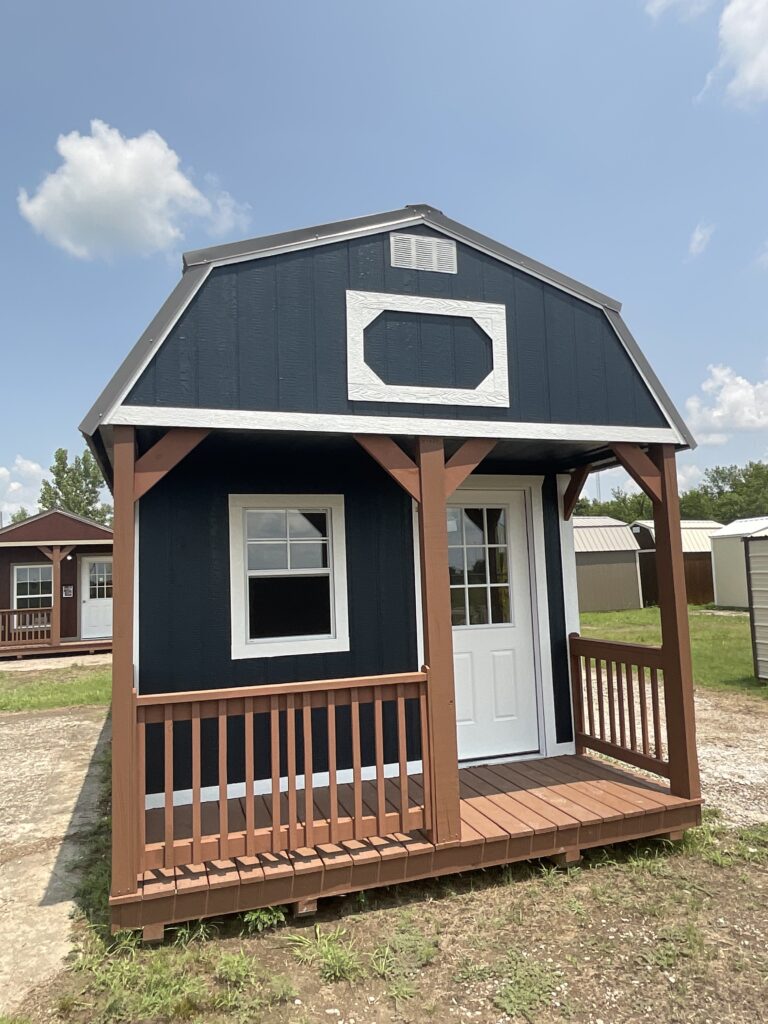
720 644
51 687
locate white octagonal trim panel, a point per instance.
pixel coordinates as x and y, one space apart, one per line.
363 385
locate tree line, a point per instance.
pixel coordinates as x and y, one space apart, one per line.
724 494
75 486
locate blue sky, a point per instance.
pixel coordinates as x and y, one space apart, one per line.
623 143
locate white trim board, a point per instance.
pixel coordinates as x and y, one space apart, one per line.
364 385
328 423
263 787
107 542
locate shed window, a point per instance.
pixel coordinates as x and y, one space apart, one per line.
288 575
33 586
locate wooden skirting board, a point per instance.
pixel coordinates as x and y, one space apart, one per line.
63 648
553 807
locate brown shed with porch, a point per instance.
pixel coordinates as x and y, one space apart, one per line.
55 585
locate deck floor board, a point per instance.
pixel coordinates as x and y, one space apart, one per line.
509 812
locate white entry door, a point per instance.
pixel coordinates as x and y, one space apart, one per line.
493 635
95 597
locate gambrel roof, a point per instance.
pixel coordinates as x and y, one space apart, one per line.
113 405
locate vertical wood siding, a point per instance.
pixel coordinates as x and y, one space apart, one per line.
270 334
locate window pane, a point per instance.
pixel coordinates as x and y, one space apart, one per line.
476 565
497 526
500 604
456 564
478 606
22 588
45 573
458 609
497 558
22 574
289 606
268 556
309 555
312 525
454 525
474 531
266 525
34 588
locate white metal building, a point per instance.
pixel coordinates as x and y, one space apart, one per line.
729 563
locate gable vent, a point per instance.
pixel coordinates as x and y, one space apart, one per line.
417 252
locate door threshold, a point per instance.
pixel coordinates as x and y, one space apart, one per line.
476 762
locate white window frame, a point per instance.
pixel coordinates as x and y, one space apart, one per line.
363 384
338 639
30 565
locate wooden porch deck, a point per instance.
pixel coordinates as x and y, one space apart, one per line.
35 650
551 807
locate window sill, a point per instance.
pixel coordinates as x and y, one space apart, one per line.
287 648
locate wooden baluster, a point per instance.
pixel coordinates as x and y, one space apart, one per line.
656 712
611 700
402 757
309 769
622 721
643 708
168 785
600 697
223 787
274 743
381 805
629 669
290 721
357 771
141 785
333 792
197 827
425 776
250 772
590 696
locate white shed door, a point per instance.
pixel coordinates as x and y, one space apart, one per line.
493 638
95 597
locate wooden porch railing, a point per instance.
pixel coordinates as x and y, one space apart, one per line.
618 702
282 726
21 626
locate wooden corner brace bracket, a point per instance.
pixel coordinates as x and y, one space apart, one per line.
166 453
641 468
391 457
574 489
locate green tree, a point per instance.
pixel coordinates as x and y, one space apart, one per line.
621 505
19 515
76 487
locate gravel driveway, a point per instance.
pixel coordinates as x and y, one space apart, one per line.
48 791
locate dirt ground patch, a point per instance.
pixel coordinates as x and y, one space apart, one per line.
732 736
48 796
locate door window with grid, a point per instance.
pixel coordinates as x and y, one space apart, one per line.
99 580
33 586
478 562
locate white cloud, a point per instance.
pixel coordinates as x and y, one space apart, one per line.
688 477
730 404
19 485
686 9
700 239
744 48
113 195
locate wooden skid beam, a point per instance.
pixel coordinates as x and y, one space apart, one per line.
641 468
465 461
161 458
574 489
391 457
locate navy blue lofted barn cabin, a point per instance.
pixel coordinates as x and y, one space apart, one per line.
346 649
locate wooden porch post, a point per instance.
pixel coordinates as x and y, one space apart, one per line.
438 640
56 604
124 775
675 637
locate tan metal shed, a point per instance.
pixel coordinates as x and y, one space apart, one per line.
607 573
728 561
756 560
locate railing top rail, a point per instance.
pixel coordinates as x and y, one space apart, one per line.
279 689
23 611
644 654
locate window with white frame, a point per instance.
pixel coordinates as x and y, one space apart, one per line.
288 575
32 586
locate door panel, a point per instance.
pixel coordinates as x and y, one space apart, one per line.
493 636
95 597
